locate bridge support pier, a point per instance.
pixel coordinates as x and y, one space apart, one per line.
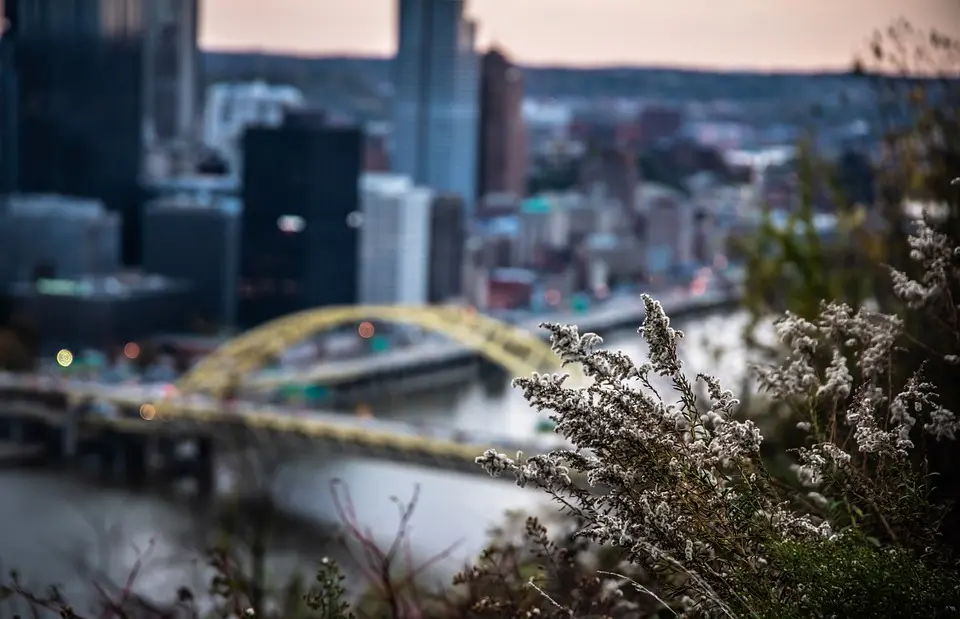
123 458
70 434
493 378
53 445
205 467
11 429
106 454
135 456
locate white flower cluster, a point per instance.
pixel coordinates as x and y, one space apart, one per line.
865 342
680 483
668 478
936 256
862 403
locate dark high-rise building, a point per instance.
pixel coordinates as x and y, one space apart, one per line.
300 240
502 158
196 238
448 239
87 87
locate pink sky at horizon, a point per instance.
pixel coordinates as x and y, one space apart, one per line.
728 34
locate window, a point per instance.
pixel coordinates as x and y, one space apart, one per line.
226 111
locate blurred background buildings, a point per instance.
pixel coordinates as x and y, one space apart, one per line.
267 184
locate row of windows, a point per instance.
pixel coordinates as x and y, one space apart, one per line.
250 288
53 16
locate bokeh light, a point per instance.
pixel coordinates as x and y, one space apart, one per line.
366 330
131 350
364 410
148 411
64 358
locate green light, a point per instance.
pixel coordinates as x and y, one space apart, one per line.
580 303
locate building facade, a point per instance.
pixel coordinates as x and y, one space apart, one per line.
49 236
395 241
86 90
103 312
196 238
172 82
300 229
448 238
502 140
669 218
435 113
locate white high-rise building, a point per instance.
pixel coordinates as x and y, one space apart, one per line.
394 240
436 106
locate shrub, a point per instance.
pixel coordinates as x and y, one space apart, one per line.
677 483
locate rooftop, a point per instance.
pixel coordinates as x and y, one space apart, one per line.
385 182
121 285
55 205
201 201
198 183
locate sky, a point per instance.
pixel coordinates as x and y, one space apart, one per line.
727 34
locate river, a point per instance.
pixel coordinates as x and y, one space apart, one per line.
48 520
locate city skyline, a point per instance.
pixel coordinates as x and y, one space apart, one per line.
742 34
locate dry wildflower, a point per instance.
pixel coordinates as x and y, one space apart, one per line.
678 485
671 478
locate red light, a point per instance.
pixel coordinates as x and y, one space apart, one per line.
366 330
698 287
131 350
552 297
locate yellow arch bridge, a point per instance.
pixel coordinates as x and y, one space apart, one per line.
516 350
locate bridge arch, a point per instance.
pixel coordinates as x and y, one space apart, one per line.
517 351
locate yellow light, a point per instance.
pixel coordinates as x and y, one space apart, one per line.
148 411
64 358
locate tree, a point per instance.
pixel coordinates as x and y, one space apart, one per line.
914 75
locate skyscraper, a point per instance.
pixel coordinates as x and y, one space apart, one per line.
435 104
502 156
300 228
395 241
87 85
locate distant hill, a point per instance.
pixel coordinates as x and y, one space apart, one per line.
349 81
564 81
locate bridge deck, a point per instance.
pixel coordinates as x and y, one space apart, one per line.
616 313
447 447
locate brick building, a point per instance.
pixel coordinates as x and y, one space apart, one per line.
502 159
